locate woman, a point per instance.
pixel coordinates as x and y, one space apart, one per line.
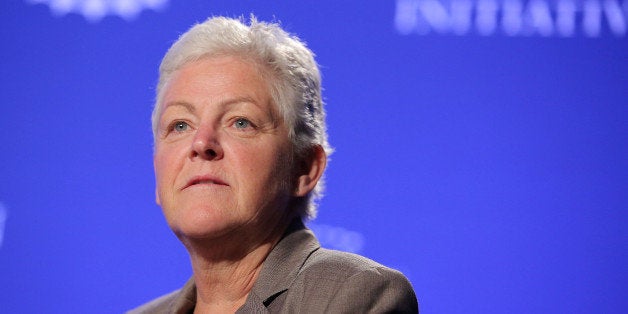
240 151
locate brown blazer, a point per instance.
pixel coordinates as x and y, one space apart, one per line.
299 276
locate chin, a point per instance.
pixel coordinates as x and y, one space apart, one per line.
200 223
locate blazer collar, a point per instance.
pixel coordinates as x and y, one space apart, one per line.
283 264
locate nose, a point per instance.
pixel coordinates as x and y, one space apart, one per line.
206 145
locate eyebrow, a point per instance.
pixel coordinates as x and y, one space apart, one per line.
228 103
187 106
239 100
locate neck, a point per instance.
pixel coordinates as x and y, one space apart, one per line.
223 286
226 269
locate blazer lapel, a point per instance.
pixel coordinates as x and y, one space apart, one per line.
283 264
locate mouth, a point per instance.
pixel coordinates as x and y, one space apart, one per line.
204 180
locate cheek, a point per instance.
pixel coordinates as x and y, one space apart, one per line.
264 168
166 165
159 162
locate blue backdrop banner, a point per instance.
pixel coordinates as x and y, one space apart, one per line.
481 148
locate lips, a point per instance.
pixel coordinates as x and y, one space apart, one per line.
204 180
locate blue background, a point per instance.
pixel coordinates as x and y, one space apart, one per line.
491 170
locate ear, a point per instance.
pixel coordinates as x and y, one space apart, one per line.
309 170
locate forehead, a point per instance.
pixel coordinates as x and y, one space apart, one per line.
213 76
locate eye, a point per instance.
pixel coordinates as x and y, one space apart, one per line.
242 123
180 126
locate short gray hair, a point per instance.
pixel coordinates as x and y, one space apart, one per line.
295 80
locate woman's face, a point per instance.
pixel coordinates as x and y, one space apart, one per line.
222 154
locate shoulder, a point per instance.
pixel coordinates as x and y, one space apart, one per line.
337 265
162 304
179 301
348 282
